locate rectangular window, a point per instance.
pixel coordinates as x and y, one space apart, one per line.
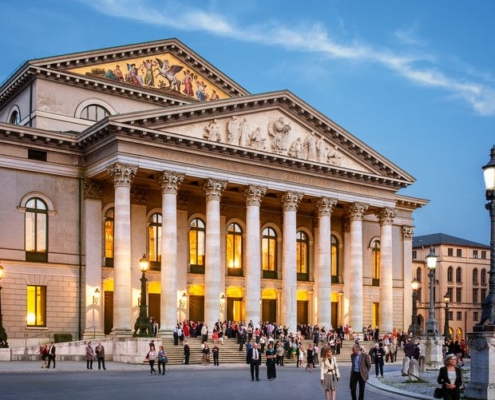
475 253
451 315
459 252
458 295
483 295
414 254
36 155
459 316
475 295
450 252
475 316
450 291
36 305
483 254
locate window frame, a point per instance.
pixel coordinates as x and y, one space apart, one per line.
197 263
234 249
269 241
302 255
155 226
40 291
109 241
31 217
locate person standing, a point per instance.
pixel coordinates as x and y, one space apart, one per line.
187 352
361 364
51 355
162 360
329 373
216 353
271 357
378 354
151 359
100 355
89 356
206 354
253 358
309 358
450 377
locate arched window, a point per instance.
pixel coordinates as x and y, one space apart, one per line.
450 274
375 262
94 112
475 276
269 253
335 259
458 275
15 118
483 276
197 235
419 274
36 230
302 256
155 240
109 234
234 249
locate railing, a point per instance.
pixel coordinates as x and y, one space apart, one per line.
26 338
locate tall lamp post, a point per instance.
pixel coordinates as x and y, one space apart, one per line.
3 334
431 263
414 329
142 323
446 330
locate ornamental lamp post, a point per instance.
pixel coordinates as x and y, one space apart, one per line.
431 263
142 323
446 330
3 333
414 329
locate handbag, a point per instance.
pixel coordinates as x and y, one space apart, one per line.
438 393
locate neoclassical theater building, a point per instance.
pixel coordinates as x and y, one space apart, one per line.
247 206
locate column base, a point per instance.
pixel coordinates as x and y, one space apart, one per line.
433 351
89 334
121 332
482 384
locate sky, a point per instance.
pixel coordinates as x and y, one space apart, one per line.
414 80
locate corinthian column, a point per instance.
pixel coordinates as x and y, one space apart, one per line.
213 189
386 218
323 261
123 175
356 212
290 202
169 182
254 196
407 272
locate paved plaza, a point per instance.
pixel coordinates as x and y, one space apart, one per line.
71 380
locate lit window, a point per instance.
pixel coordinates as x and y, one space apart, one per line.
36 225
302 254
234 247
269 250
94 113
155 238
335 256
375 259
109 226
36 305
197 245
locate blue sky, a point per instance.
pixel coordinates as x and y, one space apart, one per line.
415 80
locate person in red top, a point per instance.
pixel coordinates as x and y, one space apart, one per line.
186 329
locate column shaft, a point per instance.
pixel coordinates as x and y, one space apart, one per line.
386 217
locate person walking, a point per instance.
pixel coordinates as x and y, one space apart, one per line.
253 358
310 358
51 355
216 352
100 355
329 373
89 356
44 355
361 364
151 359
205 359
450 377
162 360
271 357
187 352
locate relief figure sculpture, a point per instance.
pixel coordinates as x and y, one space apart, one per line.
244 133
279 131
233 130
213 131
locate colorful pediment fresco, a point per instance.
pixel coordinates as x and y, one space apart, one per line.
163 72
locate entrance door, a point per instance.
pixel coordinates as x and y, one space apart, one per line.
302 312
269 310
335 315
154 306
196 308
108 312
235 311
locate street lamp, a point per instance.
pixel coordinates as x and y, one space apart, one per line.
488 310
96 299
414 329
3 334
142 323
431 263
446 330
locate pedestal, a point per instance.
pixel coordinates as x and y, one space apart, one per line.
5 354
482 384
433 351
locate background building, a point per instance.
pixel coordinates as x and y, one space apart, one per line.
461 272
248 207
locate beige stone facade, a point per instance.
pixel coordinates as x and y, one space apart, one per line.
179 166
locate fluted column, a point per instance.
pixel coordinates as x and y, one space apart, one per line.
93 231
213 189
290 202
356 212
323 261
407 272
169 182
123 175
254 196
386 218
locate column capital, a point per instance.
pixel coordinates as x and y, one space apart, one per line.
170 182
325 206
92 190
386 216
254 195
123 174
408 232
214 189
356 211
291 200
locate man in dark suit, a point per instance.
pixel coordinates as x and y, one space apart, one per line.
51 355
187 352
253 358
361 364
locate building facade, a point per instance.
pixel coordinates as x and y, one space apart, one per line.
461 275
248 206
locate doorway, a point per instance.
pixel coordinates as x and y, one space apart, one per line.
108 310
235 309
154 306
302 312
269 310
196 308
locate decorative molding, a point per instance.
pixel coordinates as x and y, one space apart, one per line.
386 216
325 206
92 190
291 200
407 232
139 195
356 211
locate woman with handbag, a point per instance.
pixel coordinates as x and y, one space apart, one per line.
330 373
162 360
450 377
